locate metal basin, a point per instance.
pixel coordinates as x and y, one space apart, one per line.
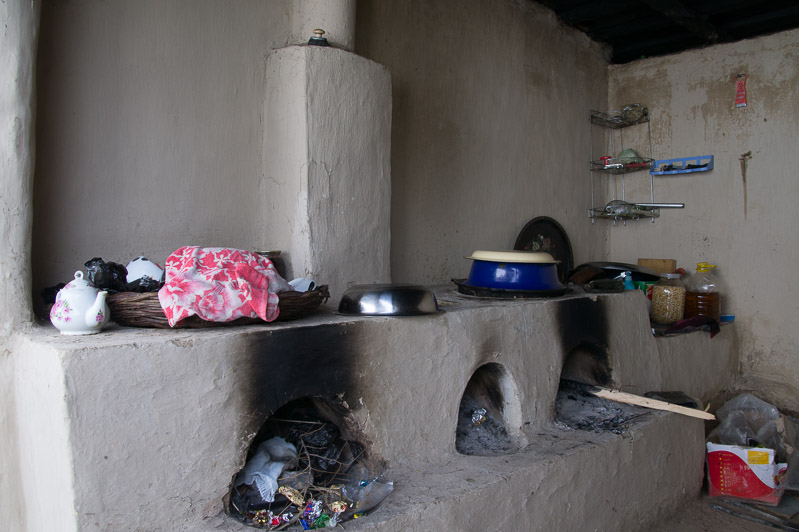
514 270
388 300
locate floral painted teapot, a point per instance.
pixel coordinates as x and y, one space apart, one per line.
80 308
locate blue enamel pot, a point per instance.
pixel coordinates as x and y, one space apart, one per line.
514 270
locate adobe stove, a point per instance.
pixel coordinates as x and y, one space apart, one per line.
162 421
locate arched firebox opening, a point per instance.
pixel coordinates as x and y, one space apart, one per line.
308 462
489 416
586 367
588 363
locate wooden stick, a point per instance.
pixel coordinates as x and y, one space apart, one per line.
631 399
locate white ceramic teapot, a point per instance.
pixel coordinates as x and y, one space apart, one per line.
80 308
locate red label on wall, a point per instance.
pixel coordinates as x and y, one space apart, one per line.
740 90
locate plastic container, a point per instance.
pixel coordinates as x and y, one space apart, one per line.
668 299
703 297
704 280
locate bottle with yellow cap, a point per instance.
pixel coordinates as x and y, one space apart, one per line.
703 297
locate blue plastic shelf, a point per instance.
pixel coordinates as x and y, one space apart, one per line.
680 165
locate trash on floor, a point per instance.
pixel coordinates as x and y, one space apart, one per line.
752 453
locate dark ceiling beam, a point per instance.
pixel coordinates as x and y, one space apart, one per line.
775 18
592 12
711 8
625 32
682 16
656 45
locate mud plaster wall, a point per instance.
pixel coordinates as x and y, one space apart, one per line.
151 127
489 127
150 130
691 99
18 42
149 136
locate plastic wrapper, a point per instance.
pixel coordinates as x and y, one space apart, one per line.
296 480
478 416
144 284
291 494
366 497
313 509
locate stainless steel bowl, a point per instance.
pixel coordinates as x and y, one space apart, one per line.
388 300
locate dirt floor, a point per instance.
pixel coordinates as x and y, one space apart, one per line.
701 516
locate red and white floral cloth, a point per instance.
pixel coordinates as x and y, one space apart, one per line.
220 284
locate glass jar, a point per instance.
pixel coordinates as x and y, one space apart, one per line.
668 299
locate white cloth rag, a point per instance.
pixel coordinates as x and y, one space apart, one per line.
263 469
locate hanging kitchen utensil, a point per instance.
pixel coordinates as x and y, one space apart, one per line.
623 208
545 234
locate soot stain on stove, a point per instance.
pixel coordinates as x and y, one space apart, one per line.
583 332
582 321
288 364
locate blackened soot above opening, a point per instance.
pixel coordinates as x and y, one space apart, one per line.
287 364
582 321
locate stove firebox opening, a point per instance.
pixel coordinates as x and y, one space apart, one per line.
308 450
576 407
489 417
587 363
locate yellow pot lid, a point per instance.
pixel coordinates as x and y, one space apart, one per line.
527 257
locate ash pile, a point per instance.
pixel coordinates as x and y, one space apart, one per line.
305 474
577 409
480 432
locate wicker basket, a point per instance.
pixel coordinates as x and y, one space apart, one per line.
133 309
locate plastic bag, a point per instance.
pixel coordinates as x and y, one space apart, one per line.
366 496
747 421
107 275
757 411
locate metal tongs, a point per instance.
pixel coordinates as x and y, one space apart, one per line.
623 208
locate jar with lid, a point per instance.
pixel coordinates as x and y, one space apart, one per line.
703 296
668 299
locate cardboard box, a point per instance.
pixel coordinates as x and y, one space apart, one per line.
659 265
744 473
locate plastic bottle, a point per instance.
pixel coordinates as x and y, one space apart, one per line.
668 299
628 281
703 297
